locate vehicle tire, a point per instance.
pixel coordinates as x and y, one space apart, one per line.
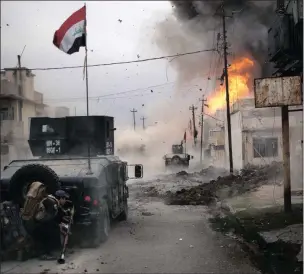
176 160
26 175
98 232
106 223
124 215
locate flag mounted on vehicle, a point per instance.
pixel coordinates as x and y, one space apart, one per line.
72 33
185 136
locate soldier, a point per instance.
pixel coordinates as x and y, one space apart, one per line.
43 219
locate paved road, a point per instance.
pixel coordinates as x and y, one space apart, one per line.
156 239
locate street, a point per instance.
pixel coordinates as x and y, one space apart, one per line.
156 239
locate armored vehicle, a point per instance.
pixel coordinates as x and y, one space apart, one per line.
75 154
178 157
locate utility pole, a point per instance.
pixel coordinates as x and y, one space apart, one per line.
225 75
203 100
134 122
20 87
143 118
192 108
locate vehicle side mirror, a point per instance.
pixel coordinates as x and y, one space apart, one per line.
138 171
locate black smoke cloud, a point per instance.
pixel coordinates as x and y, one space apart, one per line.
194 25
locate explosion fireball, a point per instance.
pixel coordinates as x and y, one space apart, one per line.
239 78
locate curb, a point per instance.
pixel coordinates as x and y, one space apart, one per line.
256 247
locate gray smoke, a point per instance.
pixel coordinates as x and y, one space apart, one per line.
194 25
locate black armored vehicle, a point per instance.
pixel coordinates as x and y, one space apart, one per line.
75 154
178 157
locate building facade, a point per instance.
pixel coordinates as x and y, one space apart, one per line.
257 137
18 103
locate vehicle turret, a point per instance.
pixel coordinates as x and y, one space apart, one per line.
71 136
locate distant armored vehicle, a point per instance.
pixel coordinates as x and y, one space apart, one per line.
178 157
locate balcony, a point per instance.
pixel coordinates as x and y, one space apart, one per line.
8 89
38 97
11 131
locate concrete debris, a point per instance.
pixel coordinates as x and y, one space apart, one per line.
151 192
147 214
223 187
182 173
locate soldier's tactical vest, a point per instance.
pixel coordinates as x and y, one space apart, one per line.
35 195
43 215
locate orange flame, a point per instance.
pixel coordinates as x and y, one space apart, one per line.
238 85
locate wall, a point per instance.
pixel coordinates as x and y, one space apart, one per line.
217 157
28 111
248 122
236 140
12 76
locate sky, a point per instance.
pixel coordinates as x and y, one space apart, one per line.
152 88
33 23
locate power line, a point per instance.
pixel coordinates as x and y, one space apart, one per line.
124 62
73 99
115 93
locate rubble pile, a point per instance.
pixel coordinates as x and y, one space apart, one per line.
151 192
182 173
223 187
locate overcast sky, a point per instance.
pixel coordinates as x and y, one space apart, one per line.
33 24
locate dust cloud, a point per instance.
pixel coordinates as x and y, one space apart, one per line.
171 121
192 26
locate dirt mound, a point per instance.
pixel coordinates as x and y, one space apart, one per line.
182 173
223 187
211 170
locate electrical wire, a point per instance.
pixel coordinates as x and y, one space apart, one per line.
123 62
107 96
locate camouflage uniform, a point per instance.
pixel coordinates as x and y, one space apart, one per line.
43 222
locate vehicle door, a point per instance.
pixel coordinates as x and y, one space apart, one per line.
115 189
122 184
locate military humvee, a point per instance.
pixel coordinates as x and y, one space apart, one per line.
178 157
96 184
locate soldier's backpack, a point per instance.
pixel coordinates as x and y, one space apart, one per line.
35 195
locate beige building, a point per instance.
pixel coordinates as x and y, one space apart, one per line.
257 137
57 112
18 102
214 139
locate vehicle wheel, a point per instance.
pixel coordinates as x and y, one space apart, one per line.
124 215
26 175
105 223
98 232
176 160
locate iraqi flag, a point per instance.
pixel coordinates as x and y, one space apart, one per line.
72 33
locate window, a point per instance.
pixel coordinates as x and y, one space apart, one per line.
4 149
265 147
47 129
7 113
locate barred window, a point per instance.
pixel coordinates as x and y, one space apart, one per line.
265 147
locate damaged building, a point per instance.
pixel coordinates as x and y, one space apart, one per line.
19 102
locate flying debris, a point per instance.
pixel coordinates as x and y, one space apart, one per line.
119 20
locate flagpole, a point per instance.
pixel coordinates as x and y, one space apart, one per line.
87 81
